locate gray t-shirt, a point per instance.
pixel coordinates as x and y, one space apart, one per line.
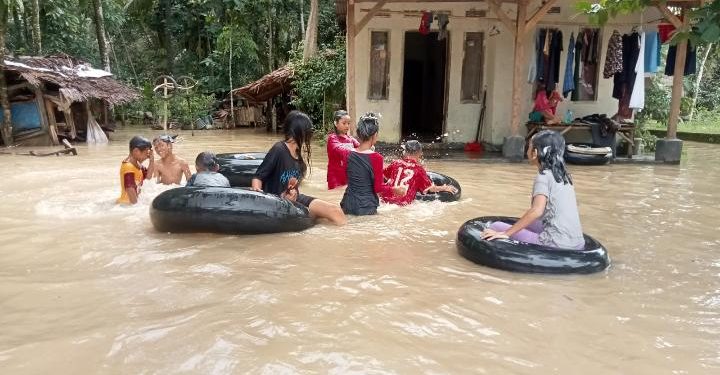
561 221
208 179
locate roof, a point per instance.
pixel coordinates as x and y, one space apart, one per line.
77 80
271 84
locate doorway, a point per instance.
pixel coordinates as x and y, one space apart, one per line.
424 86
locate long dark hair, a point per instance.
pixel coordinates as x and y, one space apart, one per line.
550 147
367 126
337 117
298 127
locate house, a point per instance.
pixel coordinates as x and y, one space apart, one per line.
51 97
272 89
431 86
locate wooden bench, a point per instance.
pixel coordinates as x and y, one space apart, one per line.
626 131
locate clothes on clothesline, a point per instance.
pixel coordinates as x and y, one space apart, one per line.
568 79
586 64
652 51
547 53
690 60
637 97
614 56
665 31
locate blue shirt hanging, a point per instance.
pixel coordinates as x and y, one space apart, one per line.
569 80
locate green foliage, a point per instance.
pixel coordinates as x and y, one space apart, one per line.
320 84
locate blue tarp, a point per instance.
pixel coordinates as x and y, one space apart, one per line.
25 116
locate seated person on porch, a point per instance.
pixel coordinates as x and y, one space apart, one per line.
207 172
545 106
170 168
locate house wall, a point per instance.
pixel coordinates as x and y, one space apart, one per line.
462 118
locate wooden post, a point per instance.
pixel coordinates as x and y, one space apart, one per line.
518 66
677 88
44 122
350 58
70 121
50 109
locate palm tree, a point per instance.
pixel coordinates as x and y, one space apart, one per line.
101 37
35 19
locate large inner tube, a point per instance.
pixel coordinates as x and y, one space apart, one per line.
226 210
441 179
517 256
585 155
241 167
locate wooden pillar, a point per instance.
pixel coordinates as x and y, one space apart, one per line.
518 66
350 58
677 88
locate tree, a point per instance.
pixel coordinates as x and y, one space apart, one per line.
35 19
7 116
101 37
310 46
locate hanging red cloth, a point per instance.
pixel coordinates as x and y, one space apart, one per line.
425 22
665 30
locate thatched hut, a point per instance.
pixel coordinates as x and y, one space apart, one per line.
258 94
51 96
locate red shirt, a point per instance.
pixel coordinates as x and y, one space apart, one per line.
406 172
338 149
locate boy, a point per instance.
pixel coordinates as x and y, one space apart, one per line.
169 169
408 173
207 172
132 172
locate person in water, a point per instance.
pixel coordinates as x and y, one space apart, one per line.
169 169
410 174
339 145
207 174
132 172
285 166
365 172
553 218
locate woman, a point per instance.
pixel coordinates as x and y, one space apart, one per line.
339 145
285 166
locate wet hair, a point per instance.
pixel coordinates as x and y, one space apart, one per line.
139 142
412 147
298 127
337 117
164 138
367 126
550 147
207 161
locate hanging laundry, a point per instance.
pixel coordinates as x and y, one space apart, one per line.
579 54
614 56
637 99
568 80
541 56
532 71
665 31
690 60
652 52
425 22
443 20
553 75
625 79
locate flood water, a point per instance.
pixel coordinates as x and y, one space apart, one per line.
88 287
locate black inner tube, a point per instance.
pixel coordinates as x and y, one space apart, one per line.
239 168
517 256
443 196
226 210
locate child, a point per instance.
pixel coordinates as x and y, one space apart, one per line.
553 200
170 168
132 172
364 172
339 145
545 106
284 167
207 174
409 173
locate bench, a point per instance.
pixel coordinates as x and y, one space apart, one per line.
626 131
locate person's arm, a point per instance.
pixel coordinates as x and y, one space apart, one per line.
151 166
186 171
130 187
435 189
376 161
535 212
256 184
337 148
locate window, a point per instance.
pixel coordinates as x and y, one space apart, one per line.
379 65
586 64
472 68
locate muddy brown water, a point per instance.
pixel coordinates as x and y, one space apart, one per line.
88 287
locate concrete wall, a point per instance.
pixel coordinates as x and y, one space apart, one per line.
462 118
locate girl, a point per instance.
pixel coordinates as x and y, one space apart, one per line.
553 200
284 167
365 172
339 145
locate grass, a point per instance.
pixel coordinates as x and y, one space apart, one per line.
704 123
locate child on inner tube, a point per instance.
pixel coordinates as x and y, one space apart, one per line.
410 174
284 167
365 172
553 218
339 145
207 174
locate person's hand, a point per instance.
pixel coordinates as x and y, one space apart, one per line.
450 189
489 234
151 155
399 191
290 195
254 188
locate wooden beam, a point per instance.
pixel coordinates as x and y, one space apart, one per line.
350 58
364 21
495 7
677 88
672 18
538 15
519 65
